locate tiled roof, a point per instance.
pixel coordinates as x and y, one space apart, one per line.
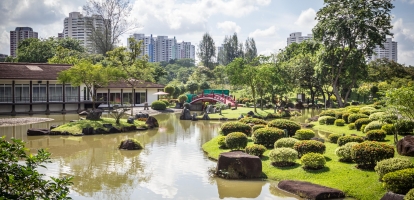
123 84
31 71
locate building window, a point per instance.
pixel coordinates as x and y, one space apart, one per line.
101 96
127 98
71 93
140 97
6 93
22 93
39 93
115 98
55 93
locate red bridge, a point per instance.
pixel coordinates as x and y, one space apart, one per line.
222 98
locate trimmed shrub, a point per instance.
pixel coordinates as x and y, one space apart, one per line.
351 126
349 138
404 127
377 116
236 140
338 114
182 98
259 126
304 134
334 137
290 126
345 117
366 110
353 117
363 128
251 120
344 152
388 128
267 136
409 195
374 125
255 149
352 109
306 146
400 181
360 122
376 135
230 127
339 122
222 142
158 105
391 165
313 161
368 153
327 113
283 156
328 120
285 142
165 102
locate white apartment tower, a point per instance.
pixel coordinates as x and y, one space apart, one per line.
389 51
19 34
297 38
147 47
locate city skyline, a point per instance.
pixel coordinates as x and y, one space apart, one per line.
268 22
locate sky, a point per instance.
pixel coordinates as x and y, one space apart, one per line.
269 22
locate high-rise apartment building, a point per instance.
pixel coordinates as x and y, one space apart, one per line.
389 51
297 38
185 50
19 34
147 47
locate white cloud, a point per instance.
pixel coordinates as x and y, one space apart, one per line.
404 35
271 31
409 1
306 19
228 27
402 29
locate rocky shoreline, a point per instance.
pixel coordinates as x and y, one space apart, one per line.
22 121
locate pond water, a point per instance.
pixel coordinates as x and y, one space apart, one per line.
171 165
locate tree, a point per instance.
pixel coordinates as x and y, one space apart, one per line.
351 25
250 49
170 89
23 181
231 49
192 86
114 14
207 51
401 99
204 85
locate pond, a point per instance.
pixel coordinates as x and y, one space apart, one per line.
171 165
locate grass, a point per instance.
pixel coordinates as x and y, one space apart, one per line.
75 128
360 184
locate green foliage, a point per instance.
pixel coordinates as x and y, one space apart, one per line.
313 161
351 126
304 134
255 149
391 165
409 195
328 120
285 142
353 110
259 126
353 117
236 140
182 98
20 178
248 120
401 99
333 137
339 122
360 122
344 152
230 127
363 128
158 105
383 117
170 89
306 146
221 141
349 138
207 51
338 115
267 136
331 113
374 125
366 110
345 117
404 127
388 128
400 181
368 153
290 126
192 86
165 101
283 156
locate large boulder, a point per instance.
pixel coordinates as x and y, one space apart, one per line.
206 117
130 120
238 165
37 131
405 146
152 122
299 105
141 115
185 114
83 112
392 196
114 130
130 144
88 131
310 191
94 114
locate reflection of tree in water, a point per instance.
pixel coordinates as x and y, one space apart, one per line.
278 192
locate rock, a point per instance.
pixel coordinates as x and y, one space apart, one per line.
114 130
55 133
100 131
238 165
141 115
318 139
53 127
250 113
392 196
94 114
290 105
130 120
185 114
206 117
178 105
223 119
309 190
73 120
306 125
241 117
88 131
37 131
107 125
83 112
130 145
128 129
299 105
151 122
194 117
405 146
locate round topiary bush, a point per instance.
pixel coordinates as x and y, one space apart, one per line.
404 127
400 181
344 152
255 149
391 165
267 136
368 153
409 195
338 114
259 126
328 120
327 113
360 122
290 126
374 125
376 116
313 161
158 105
376 135
351 126
251 120
345 117
388 128
363 128
221 141
306 146
285 142
334 137
339 122
282 157
304 134
182 98
236 140
353 110
165 102
230 127
366 110
353 117
349 138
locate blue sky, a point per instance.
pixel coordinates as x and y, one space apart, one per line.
269 22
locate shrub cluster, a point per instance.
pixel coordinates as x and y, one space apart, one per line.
338 114
306 146
349 138
283 156
360 122
351 126
290 126
353 109
400 181
391 165
230 127
236 140
334 137
304 134
255 149
363 128
221 141
353 117
405 127
368 153
377 116
165 102
388 128
328 120
259 126
328 113
158 105
376 135
366 110
251 120
313 161
267 136
409 195
344 152
345 117
374 125
339 122
285 142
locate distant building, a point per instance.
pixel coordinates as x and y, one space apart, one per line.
297 38
389 51
185 50
19 34
3 56
61 35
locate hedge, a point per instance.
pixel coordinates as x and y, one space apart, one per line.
255 149
400 181
285 142
304 134
230 127
306 146
313 161
391 165
349 138
236 140
267 136
368 153
290 126
353 117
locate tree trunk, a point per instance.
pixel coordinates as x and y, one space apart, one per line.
133 101
254 98
338 97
